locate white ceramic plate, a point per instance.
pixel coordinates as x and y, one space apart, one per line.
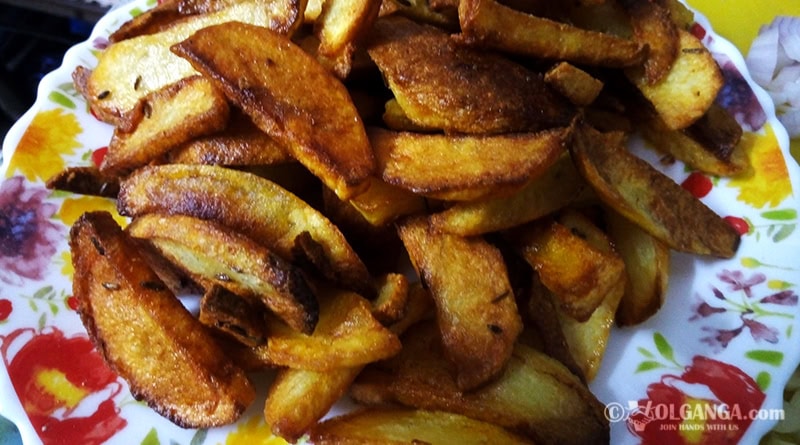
724 336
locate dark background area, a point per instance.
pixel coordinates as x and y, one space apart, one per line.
34 35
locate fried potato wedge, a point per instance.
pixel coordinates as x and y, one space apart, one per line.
488 23
653 27
241 143
274 216
711 148
165 118
579 274
85 181
146 335
339 27
555 189
574 83
390 304
323 131
465 167
298 398
475 305
154 20
240 318
649 198
383 203
535 395
130 69
396 426
647 262
587 340
687 91
214 255
440 84
346 335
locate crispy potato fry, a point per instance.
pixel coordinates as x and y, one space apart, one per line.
340 25
715 152
85 181
396 119
167 357
475 304
688 89
556 188
165 118
440 84
128 70
346 335
154 20
240 318
654 28
579 274
652 200
488 23
465 167
587 339
323 131
396 426
213 255
240 144
575 84
422 11
383 203
274 216
535 395
647 262
390 304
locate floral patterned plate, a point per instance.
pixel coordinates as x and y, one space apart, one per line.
710 366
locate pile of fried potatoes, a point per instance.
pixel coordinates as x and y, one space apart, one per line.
291 161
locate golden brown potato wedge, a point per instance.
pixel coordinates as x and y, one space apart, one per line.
346 335
647 262
390 304
214 255
128 70
488 23
339 27
646 196
423 11
396 426
163 119
85 181
535 395
653 27
575 84
476 310
440 84
154 20
688 89
711 144
241 143
274 216
298 398
587 339
579 274
465 167
556 188
240 318
383 203
323 131
146 335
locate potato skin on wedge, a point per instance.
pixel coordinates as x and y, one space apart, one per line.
146 335
651 199
268 76
272 215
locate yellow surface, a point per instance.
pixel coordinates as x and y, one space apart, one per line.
740 20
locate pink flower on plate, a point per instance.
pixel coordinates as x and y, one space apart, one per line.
28 238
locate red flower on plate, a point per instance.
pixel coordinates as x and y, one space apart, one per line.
674 414
64 386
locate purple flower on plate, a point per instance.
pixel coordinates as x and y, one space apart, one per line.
738 98
738 281
784 298
760 331
703 310
28 238
720 338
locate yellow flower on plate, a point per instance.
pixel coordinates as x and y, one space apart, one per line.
253 432
72 208
51 135
768 183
